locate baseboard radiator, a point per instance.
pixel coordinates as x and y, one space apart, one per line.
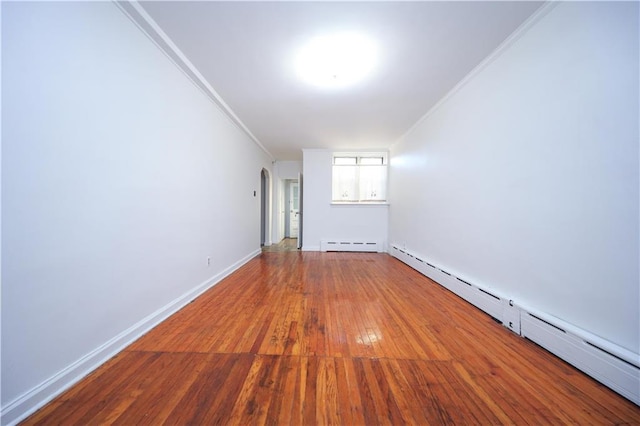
612 365
362 245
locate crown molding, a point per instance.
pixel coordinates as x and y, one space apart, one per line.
139 16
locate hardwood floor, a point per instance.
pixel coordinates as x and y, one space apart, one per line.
287 244
334 338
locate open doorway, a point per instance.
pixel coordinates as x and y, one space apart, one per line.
290 223
292 208
264 208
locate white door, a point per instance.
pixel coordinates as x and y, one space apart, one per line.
294 205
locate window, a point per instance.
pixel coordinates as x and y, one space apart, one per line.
359 178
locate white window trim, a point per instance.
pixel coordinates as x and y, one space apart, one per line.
359 155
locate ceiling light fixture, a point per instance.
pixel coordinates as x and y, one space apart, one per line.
337 60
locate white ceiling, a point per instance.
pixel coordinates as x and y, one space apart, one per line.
245 51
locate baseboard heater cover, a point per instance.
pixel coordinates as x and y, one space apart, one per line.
355 245
613 366
486 299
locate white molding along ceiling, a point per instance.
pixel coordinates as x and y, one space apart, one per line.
246 57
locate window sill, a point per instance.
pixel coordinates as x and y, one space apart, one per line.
355 203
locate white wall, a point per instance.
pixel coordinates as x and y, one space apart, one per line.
288 169
283 170
525 180
322 220
119 178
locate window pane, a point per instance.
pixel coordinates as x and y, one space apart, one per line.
345 187
373 183
371 161
296 202
359 177
345 161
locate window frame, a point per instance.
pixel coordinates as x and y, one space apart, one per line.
359 157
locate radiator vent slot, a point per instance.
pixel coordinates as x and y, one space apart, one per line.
547 322
463 281
486 292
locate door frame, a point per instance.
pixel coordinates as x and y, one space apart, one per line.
265 210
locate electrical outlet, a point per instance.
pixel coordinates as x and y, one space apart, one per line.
208 261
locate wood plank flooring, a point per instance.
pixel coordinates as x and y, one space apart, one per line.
333 338
287 244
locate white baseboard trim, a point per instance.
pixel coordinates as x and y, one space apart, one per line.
310 248
32 400
610 364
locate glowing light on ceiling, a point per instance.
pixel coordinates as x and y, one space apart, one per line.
337 60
